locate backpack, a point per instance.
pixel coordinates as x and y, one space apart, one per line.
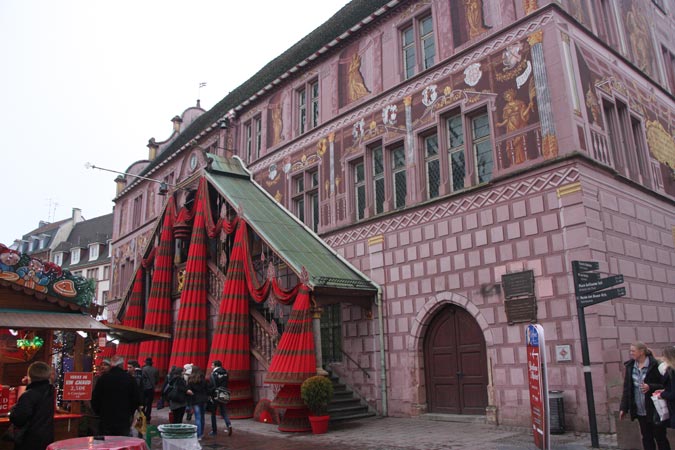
173 393
219 377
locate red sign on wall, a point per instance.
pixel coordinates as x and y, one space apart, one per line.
4 399
77 385
536 376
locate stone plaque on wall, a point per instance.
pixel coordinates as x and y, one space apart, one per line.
521 310
518 284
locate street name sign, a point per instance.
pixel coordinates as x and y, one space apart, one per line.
600 296
587 287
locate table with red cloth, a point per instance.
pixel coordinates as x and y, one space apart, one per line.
107 443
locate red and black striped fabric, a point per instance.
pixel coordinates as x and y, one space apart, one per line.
134 316
158 314
190 340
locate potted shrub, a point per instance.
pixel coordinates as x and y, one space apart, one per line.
317 392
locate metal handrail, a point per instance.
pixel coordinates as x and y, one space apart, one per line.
352 360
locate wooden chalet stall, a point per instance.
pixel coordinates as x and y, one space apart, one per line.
38 299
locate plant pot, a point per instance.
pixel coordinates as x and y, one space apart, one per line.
319 424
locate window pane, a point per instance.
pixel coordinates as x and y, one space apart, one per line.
360 202
398 157
315 178
458 170
300 209
427 38
359 173
400 188
484 161
434 177
481 126
378 162
408 36
431 145
315 212
379 195
409 57
426 26
299 184
455 132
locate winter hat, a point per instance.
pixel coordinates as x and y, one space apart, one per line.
188 369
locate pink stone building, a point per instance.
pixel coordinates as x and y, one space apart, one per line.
438 146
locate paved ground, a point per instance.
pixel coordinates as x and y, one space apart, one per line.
383 434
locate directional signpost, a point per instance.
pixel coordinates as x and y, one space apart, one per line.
588 287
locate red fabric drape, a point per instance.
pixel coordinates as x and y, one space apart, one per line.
134 316
106 352
158 314
295 359
212 229
190 340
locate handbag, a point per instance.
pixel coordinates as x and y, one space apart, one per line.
221 395
661 413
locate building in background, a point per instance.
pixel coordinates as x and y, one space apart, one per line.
445 149
41 242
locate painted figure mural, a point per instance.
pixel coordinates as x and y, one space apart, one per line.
474 17
638 36
277 124
515 115
468 20
357 87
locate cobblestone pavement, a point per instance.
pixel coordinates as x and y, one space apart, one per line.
383 434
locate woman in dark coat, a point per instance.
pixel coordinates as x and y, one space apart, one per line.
175 393
641 380
668 392
34 411
198 396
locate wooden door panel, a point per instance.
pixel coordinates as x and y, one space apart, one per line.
456 364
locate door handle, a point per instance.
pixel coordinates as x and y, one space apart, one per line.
460 374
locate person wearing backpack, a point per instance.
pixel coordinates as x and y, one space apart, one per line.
175 393
150 376
218 379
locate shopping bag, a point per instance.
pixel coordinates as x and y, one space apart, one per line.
661 409
140 422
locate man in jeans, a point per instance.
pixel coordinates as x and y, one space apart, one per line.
150 377
219 378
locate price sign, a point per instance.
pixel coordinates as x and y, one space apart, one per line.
77 385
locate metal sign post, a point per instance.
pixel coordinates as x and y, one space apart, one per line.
587 285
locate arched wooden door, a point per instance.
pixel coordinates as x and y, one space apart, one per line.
455 364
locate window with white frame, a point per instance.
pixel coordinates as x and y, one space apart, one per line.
418 47
75 256
308 106
253 139
482 147
58 258
93 251
306 198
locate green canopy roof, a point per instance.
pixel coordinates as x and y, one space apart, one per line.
293 242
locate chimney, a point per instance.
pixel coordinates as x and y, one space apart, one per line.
177 121
42 223
121 184
152 149
77 215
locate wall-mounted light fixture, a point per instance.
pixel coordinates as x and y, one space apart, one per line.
163 186
82 334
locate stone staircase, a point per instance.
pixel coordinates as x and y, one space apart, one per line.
345 404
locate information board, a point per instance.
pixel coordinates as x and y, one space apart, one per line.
77 385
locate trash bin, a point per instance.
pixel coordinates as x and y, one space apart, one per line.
179 436
556 408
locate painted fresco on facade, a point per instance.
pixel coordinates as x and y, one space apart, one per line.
468 20
638 36
353 71
598 80
275 121
579 10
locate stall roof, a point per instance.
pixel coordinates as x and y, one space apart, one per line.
132 335
31 319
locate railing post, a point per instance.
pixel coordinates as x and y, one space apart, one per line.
316 328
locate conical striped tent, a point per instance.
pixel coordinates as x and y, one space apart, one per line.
294 361
231 337
190 339
133 316
158 314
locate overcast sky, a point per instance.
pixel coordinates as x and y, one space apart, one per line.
91 81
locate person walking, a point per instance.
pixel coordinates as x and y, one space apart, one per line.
641 380
175 393
33 413
668 392
150 378
115 398
198 396
219 379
